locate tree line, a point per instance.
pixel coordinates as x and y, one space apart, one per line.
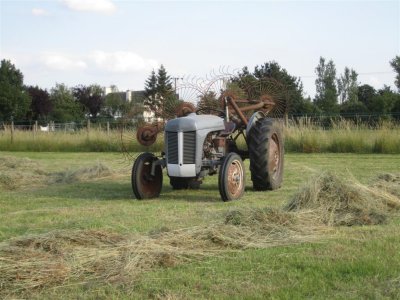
61 104
335 95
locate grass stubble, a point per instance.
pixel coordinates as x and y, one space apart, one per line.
63 257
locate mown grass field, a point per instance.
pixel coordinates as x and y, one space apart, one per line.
353 262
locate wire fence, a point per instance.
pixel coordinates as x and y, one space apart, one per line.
327 121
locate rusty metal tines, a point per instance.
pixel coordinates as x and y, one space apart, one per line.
248 93
184 109
147 135
237 110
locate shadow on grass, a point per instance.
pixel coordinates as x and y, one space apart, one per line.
206 193
94 190
112 190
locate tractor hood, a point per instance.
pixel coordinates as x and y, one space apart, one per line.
195 122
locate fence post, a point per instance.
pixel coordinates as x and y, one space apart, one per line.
88 127
12 132
108 128
35 129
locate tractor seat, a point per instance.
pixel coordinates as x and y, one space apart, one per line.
229 128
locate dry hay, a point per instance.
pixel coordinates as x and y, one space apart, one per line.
55 258
97 171
73 257
389 183
335 201
16 173
20 173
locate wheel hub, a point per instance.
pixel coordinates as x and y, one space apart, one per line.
235 178
274 156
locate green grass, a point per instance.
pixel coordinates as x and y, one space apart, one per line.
80 141
343 137
357 262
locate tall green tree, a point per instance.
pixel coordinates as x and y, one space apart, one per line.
91 97
366 94
41 105
66 107
150 91
395 63
348 86
326 95
384 101
165 93
291 85
160 97
14 100
209 101
164 84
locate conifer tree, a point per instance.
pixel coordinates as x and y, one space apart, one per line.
160 97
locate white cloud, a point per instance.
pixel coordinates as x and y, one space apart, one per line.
122 61
39 12
102 6
62 63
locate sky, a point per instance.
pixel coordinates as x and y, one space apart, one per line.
118 43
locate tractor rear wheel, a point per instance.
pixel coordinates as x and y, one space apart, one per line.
145 185
231 179
266 155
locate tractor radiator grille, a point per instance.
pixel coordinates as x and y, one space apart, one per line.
189 147
172 147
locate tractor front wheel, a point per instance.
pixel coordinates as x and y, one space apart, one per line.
231 179
145 185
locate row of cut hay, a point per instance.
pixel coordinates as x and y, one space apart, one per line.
19 173
336 201
97 171
62 257
80 256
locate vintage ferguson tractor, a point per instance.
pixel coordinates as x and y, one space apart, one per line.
198 144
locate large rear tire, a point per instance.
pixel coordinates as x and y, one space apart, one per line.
144 185
266 153
231 179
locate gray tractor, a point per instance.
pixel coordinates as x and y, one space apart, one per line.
197 145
